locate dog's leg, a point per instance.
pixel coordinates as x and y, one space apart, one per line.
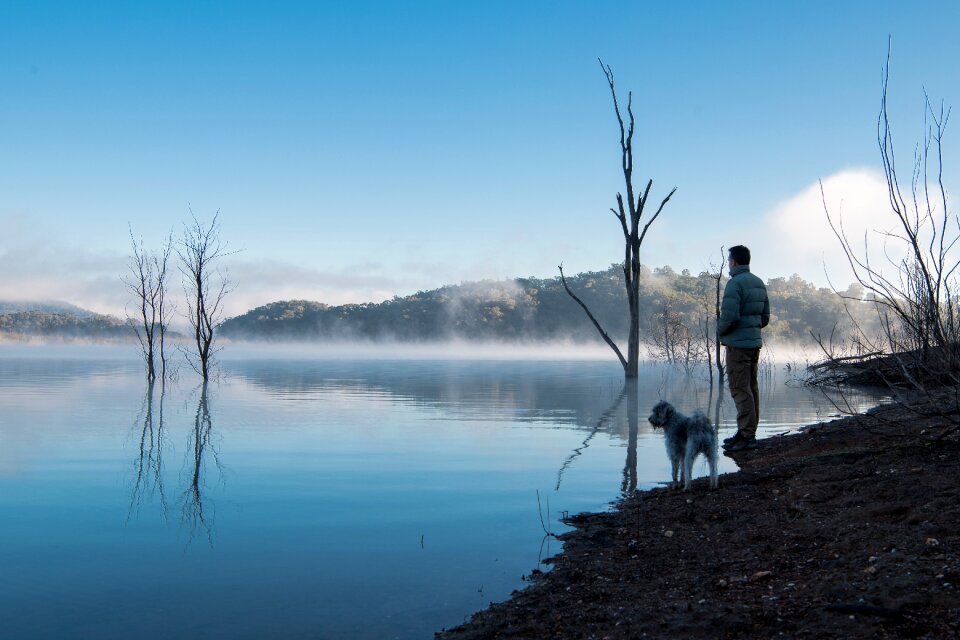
688 467
675 461
712 459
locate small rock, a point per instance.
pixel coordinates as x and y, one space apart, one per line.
872 559
871 570
722 583
760 575
668 533
932 542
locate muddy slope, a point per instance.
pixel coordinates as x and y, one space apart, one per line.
850 529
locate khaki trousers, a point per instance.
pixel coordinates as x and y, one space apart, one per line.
742 367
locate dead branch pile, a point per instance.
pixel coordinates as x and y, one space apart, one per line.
898 370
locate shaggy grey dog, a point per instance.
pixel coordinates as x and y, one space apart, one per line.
686 437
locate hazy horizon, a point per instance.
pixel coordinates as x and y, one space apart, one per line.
178 319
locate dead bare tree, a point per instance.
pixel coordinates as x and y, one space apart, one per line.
721 368
915 295
147 280
673 341
205 284
629 214
915 292
708 325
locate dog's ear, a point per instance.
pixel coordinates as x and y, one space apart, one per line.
668 411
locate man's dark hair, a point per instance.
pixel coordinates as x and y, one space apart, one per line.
741 254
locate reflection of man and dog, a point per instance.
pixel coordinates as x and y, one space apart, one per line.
745 310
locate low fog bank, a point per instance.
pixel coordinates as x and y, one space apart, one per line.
791 352
68 350
461 349
398 350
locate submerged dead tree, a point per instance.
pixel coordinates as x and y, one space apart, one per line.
629 214
205 285
147 280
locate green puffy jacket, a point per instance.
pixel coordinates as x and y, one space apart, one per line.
744 311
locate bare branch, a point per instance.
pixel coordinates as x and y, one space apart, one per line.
606 337
657 214
205 285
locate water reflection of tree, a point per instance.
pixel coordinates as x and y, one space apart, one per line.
604 419
629 484
148 479
195 512
630 393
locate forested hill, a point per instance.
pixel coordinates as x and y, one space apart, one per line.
539 309
60 322
8 307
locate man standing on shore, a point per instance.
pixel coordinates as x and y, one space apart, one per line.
744 311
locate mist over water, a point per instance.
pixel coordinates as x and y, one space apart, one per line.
313 493
440 350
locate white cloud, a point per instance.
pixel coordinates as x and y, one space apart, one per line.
258 282
802 240
38 265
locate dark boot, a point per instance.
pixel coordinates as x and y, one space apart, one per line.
740 443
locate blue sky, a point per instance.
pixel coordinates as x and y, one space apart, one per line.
367 149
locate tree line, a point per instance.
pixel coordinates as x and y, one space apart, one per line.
673 305
62 325
678 305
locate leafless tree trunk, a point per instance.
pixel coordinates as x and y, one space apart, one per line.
716 334
148 282
629 215
704 326
206 285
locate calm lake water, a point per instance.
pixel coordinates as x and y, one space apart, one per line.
309 497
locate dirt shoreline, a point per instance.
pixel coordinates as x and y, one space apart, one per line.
848 529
